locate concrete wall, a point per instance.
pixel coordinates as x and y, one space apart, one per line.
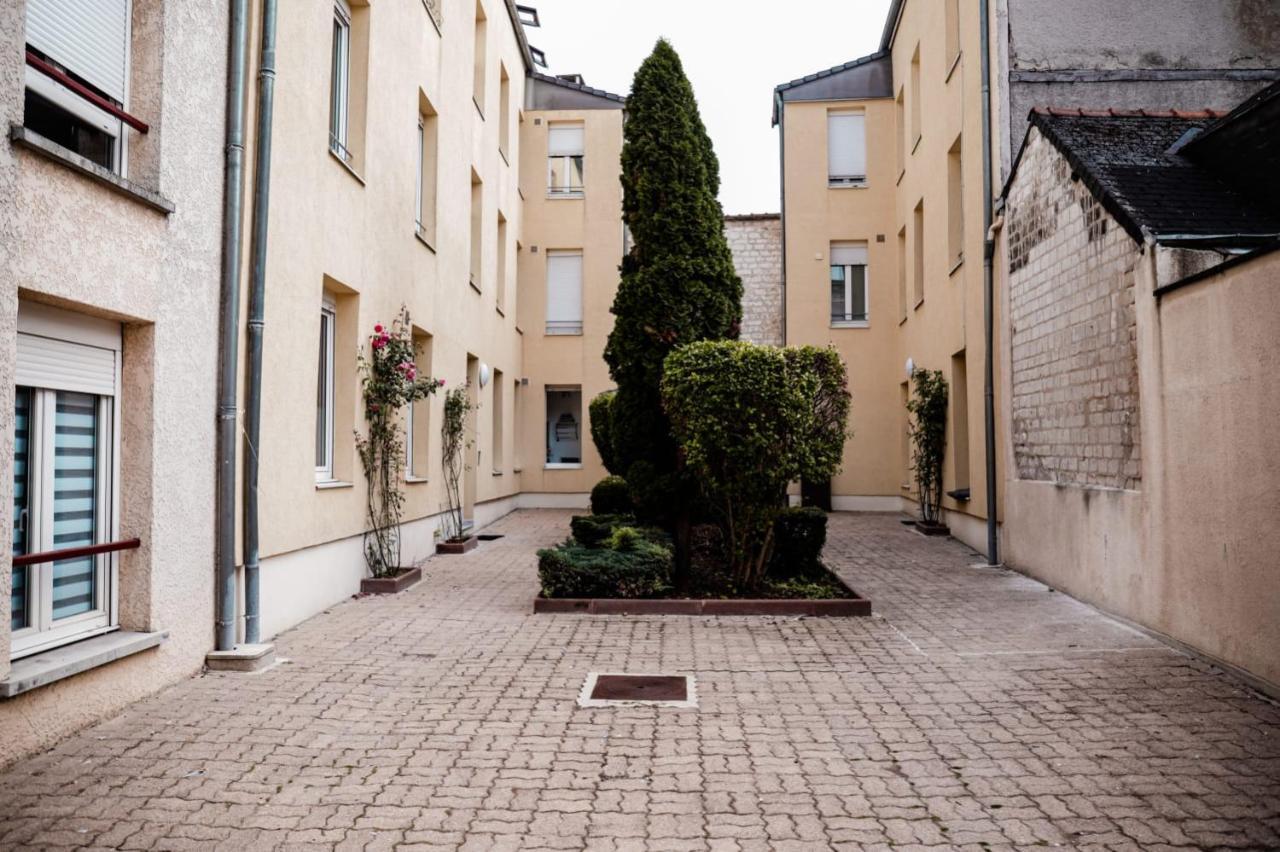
69 241
1188 549
756 243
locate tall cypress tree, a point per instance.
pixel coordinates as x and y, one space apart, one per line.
678 283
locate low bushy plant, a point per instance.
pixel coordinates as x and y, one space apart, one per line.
610 496
799 535
594 530
600 412
641 570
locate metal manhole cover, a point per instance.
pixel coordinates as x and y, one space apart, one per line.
607 689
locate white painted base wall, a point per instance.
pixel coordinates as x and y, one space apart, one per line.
864 503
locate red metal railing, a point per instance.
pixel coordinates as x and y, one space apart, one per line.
75 552
85 92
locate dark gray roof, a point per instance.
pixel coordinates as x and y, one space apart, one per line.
860 79
1253 128
1124 158
548 92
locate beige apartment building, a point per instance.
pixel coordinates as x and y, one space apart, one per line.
110 240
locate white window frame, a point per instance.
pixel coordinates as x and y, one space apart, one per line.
546 436
848 288
422 144
328 328
88 335
566 189
340 82
847 181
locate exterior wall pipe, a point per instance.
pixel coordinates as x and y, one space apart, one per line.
257 297
232 209
988 291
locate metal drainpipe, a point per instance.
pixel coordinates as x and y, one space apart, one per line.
257 296
988 292
782 204
229 309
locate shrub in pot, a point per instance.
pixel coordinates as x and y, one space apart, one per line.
610 496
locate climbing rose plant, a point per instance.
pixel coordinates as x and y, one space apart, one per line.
389 381
453 441
928 425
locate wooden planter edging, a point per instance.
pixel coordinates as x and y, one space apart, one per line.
841 607
390 585
455 547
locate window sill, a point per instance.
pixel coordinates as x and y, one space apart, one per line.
347 167
955 63
60 663
34 142
562 466
563 333
901 174
498 473
500 311
959 263
850 324
919 302
474 285
839 185
331 484
503 155
565 196
415 480
421 236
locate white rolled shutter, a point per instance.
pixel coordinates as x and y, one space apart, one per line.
848 254
61 365
846 145
88 37
564 288
565 140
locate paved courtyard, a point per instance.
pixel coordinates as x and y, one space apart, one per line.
977 709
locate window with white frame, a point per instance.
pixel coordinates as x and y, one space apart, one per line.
340 81
564 292
324 392
77 76
848 284
565 160
65 477
564 427
846 148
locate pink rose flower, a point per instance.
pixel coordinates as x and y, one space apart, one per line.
378 328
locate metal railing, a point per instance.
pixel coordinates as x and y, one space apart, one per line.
75 552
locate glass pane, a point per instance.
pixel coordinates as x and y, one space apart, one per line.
858 292
575 181
837 293
21 504
555 173
322 395
75 501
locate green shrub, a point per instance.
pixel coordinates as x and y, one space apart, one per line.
611 497
601 415
594 530
798 538
928 426
573 571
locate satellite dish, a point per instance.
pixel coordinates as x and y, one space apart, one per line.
911 368
484 374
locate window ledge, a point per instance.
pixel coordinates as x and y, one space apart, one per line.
901 174
565 196
415 480
34 142
919 302
831 185
498 473
346 166
422 238
479 109
562 466
59 663
955 63
503 155
500 311
959 263
331 484
474 285
851 324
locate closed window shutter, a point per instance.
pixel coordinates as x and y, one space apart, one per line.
565 141
88 37
61 365
846 145
848 254
564 288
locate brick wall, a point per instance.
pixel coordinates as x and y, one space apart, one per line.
1074 390
756 243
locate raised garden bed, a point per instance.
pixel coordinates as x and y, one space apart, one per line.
455 547
390 585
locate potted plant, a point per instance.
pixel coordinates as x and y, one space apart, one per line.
928 429
453 442
389 381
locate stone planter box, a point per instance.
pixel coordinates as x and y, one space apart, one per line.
390 585
932 529
830 607
454 547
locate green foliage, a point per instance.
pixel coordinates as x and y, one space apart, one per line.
610 496
928 409
601 415
678 284
453 440
799 536
750 419
640 569
594 530
389 381
624 538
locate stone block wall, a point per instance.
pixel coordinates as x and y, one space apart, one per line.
756 243
1074 379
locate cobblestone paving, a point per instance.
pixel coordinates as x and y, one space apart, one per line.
977 710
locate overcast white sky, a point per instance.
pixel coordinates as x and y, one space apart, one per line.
734 51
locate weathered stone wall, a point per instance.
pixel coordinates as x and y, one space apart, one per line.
1074 388
756 243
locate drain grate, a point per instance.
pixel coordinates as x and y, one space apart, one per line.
606 689
490 536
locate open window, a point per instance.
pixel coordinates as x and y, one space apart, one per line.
566 160
564 427
848 285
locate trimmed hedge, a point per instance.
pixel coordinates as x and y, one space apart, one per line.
640 569
594 530
799 535
610 496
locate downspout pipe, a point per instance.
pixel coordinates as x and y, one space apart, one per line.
229 343
257 298
988 291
